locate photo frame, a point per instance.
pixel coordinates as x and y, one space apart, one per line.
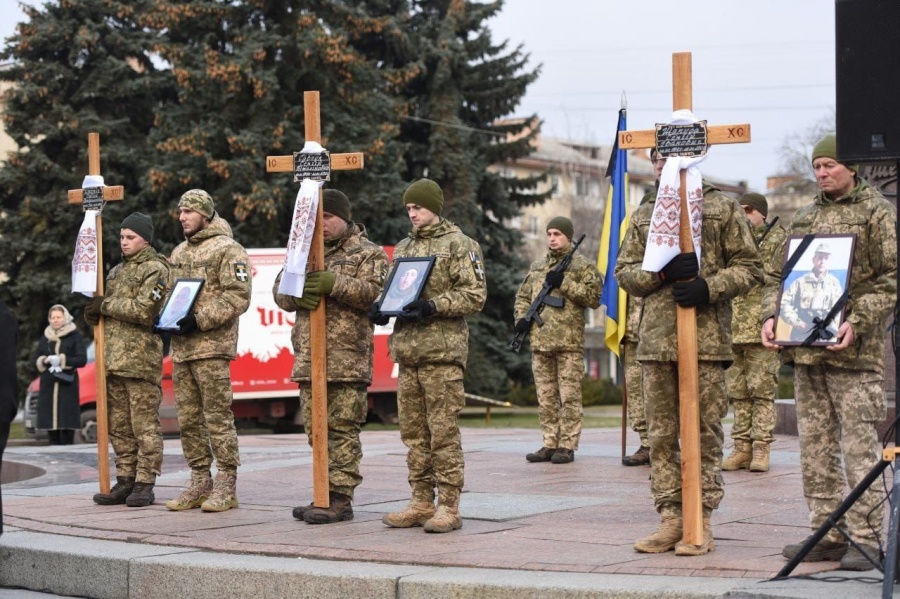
404 284
813 289
179 303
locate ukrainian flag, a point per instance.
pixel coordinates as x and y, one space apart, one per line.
615 222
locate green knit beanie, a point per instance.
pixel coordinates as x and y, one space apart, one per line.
757 201
827 148
425 193
198 201
562 224
336 203
140 223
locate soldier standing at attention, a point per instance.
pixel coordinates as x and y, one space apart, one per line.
839 389
134 291
753 377
430 342
353 277
557 347
202 347
730 266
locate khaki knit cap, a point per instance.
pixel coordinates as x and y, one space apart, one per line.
757 201
336 203
198 201
562 224
425 193
827 148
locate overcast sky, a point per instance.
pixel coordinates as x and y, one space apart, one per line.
769 63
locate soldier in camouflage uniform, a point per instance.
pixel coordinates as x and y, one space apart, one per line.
839 388
134 292
753 377
558 346
202 347
811 296
730 266
353 277
430 342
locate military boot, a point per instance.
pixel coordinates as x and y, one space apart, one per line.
194 496
641 457
760 462
740 457
339 509
118 494
298 511
417 513
544 454
224 494
563 456
141 496
706 545
866 557
445 519
666 536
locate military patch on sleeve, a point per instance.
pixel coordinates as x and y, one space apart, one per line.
158 290
477 266
241 272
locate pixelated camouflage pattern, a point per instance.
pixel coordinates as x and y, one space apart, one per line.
429 399
660 394
836 425
457 289
134 291
557 377
211 254
134 429
747 307
563 328
873 285
634 307
346 413
730 263
359 266
203 403
633 387
752 383
808 298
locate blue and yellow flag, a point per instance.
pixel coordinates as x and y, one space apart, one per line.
615 221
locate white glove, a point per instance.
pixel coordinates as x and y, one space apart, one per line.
53 360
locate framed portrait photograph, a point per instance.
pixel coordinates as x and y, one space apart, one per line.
180 303
404 284
812 299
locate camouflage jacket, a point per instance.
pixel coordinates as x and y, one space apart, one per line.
634 305
457 287
563 328
213 255
873 281
359 267
745 321
134 291
730 264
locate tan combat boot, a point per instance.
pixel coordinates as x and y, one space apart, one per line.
666 536
445 519
417 513
760 462
194 496
223 496
740 456
706 546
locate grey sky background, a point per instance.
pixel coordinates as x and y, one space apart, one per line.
769 63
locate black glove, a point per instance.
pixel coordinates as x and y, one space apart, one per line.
92 310
522 326
688 294
376 317
417 311
554 279
186 325
682 266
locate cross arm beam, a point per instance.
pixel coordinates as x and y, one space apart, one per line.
339 162
716 134
110 194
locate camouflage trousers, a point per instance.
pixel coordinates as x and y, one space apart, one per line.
557 377
635 397
837 412
752 382
133 411
661 397
429 399
346 413
203 404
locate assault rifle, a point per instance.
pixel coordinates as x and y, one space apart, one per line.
544 298
766 232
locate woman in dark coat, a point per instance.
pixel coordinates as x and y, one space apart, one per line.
59 355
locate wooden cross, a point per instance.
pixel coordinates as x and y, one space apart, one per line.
319 428
108 194
688 382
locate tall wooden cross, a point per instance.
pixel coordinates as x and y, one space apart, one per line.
688 382
94 201
336 162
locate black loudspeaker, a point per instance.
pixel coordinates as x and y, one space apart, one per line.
867 41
